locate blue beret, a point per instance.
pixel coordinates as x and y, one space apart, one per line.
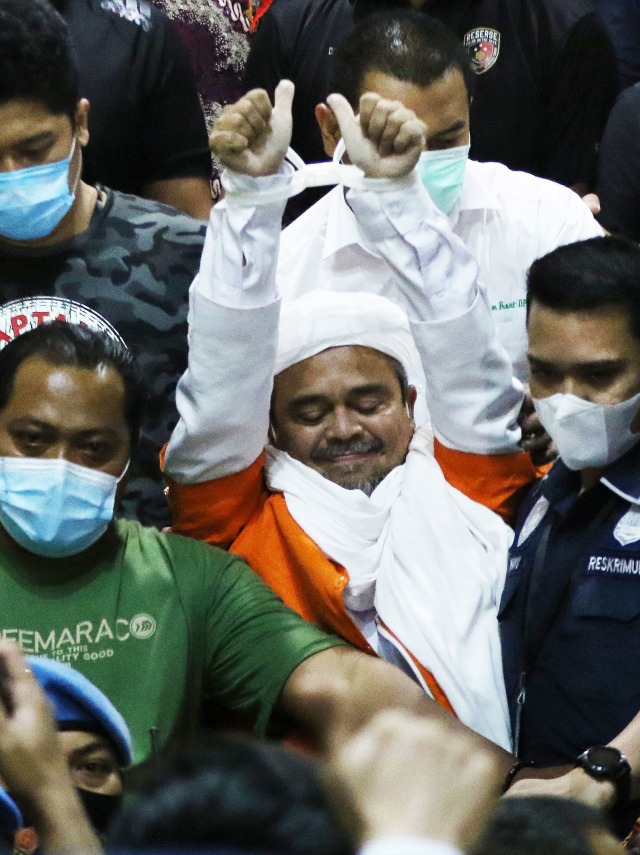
79 705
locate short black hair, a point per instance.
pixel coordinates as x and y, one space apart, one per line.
602 271
410 46
37 60
236 792
533 824
64 344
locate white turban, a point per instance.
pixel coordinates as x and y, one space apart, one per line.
323 319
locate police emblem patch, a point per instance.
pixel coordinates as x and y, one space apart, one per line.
483 46
628 528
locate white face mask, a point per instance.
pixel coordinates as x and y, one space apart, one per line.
588 435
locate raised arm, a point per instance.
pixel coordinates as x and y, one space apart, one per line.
223 397
471 393
32 765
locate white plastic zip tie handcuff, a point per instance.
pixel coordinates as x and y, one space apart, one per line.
309 175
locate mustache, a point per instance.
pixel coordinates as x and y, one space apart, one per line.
330 450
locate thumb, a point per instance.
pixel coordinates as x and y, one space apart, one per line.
343 112
283 96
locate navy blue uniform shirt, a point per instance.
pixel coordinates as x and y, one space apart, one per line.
583 681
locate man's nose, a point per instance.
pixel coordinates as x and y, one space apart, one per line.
344 424
10 163
58 451
574 386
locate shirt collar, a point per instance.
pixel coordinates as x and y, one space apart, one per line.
622 477
477 193
342 226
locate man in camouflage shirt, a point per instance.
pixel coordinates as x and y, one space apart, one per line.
86 254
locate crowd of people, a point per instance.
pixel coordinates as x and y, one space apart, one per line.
320 503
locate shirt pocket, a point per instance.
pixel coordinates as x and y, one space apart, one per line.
602 662
614 599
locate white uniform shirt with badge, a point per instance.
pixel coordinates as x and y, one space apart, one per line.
506 219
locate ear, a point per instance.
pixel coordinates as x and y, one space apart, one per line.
328 128
412 394
272 436
82 122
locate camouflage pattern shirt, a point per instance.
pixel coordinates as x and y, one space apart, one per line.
131 270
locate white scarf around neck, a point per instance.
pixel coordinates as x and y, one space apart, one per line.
431 561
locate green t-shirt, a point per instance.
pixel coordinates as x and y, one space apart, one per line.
160 623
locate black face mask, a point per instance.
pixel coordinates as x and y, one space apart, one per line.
100 808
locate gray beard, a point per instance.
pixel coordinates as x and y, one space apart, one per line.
367 485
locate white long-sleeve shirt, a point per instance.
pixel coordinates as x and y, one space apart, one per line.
506 220
224 397
408 846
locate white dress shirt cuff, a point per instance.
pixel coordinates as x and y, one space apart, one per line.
407 846
238 266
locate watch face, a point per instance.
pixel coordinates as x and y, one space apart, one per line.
603 758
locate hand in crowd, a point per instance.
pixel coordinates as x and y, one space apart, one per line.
251 136
385 140
535 439
592 201
574 784
32 766
404 775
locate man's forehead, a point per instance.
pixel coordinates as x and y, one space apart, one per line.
22 119
337 369
81 398
443 101
356 355
83 741
586 336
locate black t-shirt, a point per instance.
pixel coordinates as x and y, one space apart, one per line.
145 122
546 74
619 168
132 269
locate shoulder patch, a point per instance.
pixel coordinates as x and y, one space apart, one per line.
483 46
536 515
136 11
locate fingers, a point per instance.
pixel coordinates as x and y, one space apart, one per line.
535 440
283 96
411 776
389 125
242 123
413 133
592 201
18 684
344 114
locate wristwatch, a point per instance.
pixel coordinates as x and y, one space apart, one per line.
605 763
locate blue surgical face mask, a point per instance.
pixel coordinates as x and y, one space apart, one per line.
55 508
34 200
442 173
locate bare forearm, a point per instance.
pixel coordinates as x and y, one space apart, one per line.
628 741
334 693
192 195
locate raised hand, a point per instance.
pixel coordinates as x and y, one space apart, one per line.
251 136
385 140
32 765
409 776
